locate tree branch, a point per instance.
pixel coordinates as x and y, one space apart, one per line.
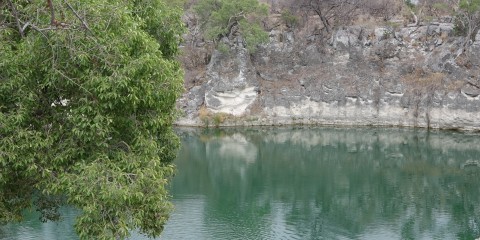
52 12
73 81
17 20
78 16
38 30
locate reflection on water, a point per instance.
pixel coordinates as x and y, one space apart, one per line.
311 183
318 183
33 229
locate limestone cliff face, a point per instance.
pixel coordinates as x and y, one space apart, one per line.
232 83
411 76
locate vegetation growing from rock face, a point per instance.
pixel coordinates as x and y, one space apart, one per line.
332 12
289 19
226 18
468 19
87 94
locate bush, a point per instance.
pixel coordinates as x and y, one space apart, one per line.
289 19
225 18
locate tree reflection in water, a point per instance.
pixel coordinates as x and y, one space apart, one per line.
326 183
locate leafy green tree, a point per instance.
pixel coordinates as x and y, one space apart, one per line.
87 101
225 18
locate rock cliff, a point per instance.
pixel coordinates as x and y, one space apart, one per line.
415 76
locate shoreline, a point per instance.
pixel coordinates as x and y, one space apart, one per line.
200 125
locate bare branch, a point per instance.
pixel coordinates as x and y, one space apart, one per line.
17 20
25 26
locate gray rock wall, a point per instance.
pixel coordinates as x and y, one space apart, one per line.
412 76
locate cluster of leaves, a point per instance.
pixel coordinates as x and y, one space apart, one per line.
87 100
225 18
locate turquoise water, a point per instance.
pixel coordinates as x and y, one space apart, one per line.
314 183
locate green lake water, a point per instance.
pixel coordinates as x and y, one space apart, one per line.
314 183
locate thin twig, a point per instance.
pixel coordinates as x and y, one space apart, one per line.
17 20
78 16
71 80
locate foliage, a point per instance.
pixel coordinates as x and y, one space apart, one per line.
87 99
225 18
467 21
410 5
183 4
470 6
219 118
431 10
207 117
289 18
223 48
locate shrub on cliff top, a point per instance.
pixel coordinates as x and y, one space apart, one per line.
226 18
468 19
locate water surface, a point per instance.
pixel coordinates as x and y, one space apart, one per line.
314 183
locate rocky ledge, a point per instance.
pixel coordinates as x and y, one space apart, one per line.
417 76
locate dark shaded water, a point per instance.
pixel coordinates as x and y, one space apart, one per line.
315 183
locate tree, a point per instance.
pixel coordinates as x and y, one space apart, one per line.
331 12
386 9
468 19
225 18
87 101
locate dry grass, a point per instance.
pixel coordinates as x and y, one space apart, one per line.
208 117
368 21
463 60
454 85
204 115
420 78
444 36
